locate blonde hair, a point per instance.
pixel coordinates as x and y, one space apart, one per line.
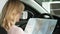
8 12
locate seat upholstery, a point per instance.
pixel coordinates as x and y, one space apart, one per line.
2 30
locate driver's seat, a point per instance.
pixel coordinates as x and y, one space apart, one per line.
2 30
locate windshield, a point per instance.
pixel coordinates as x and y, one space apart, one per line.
40 1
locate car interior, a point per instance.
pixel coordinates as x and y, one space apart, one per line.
35 15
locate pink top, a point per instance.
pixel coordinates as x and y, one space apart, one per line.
16 30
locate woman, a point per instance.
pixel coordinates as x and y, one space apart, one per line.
10 15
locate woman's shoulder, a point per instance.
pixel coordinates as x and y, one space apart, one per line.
16 27
16 30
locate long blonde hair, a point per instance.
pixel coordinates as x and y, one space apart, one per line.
8 12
